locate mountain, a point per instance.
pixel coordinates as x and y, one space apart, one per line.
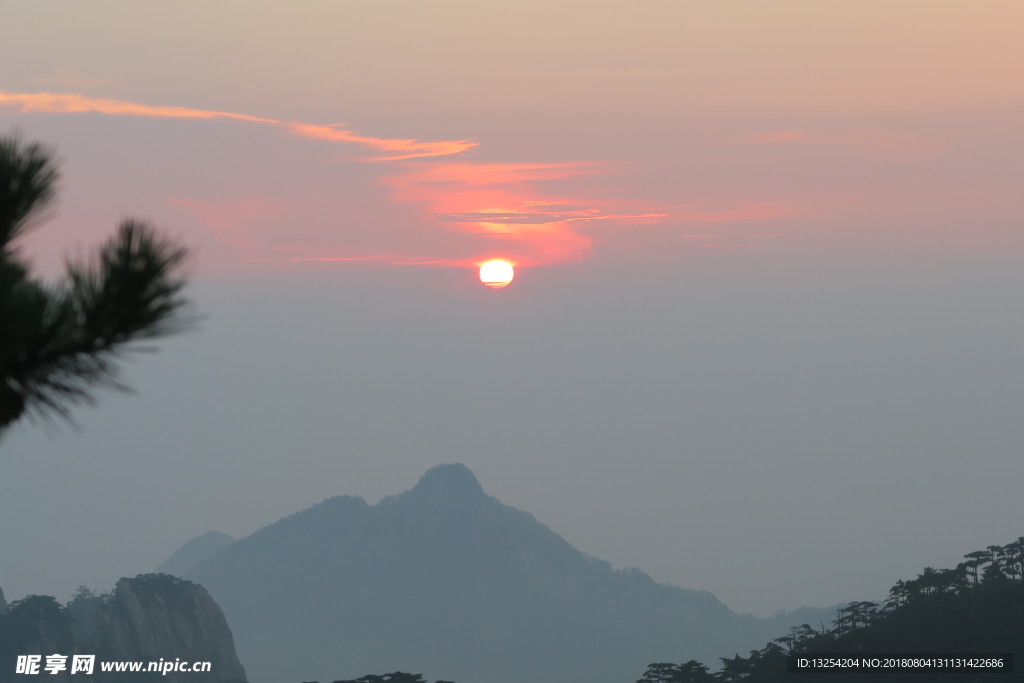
148 618
194 552
446 579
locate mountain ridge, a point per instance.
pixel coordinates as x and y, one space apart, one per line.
446 578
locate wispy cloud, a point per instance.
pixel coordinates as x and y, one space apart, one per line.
465 211
397 148
401 148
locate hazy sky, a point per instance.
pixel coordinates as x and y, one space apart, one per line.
765 337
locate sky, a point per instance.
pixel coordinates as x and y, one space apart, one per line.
765 333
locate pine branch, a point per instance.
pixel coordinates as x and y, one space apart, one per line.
28 181
73 336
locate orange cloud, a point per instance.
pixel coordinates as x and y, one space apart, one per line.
57 103
405 148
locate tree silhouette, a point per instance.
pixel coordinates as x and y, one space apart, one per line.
1014 559
396 677
692 672
664 672
898 595
658 672
797 637
974 560
976 607
59 343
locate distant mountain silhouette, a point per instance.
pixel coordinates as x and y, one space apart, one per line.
446 579
194 552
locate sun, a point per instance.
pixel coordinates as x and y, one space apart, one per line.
497 274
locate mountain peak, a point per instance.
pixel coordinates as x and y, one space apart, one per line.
454 479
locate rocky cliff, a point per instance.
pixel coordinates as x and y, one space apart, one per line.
146 619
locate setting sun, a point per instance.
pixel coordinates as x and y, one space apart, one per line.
497 274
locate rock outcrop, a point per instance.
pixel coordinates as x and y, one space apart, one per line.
150 618
37 625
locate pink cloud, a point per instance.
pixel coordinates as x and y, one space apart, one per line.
439 211
518 205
